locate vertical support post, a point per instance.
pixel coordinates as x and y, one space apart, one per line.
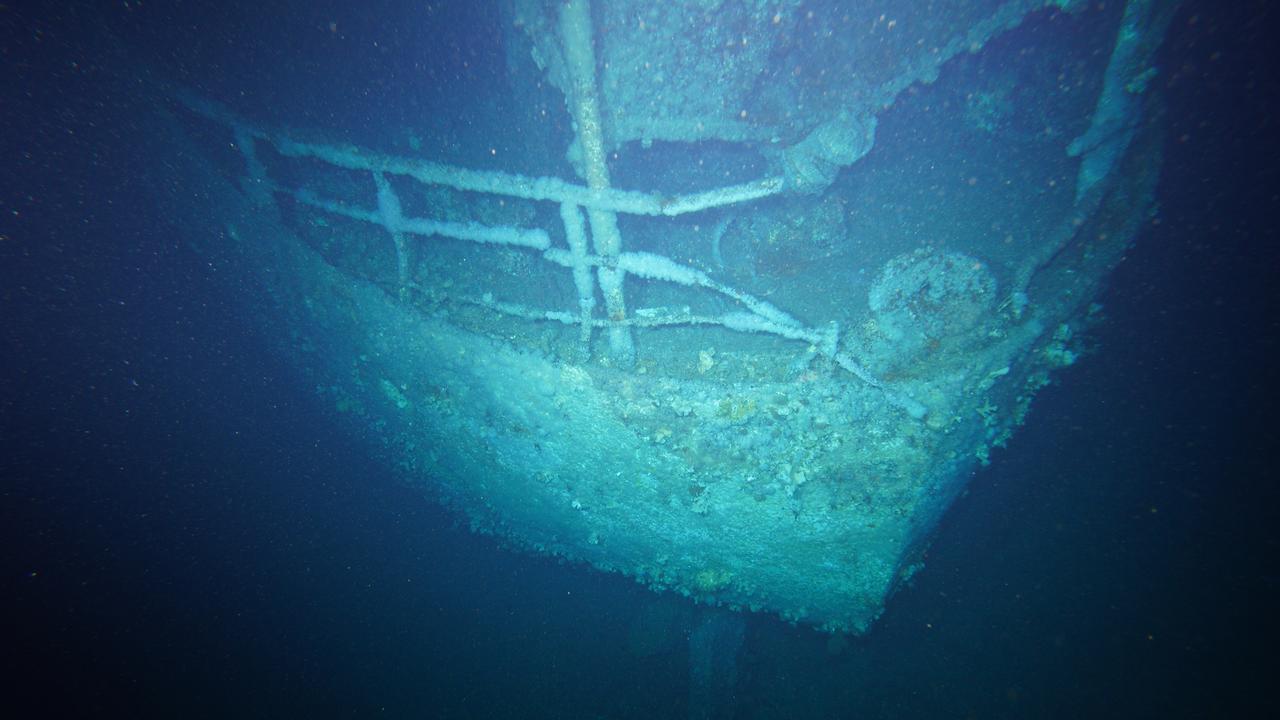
257 186
392 219
1130 71
584 102
575 232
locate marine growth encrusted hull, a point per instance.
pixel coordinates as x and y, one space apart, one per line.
762 393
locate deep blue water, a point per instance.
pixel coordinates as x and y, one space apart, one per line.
187 534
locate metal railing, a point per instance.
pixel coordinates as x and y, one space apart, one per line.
755 316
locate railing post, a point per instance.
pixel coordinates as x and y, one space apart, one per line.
575 34
257 185
392 219
575 232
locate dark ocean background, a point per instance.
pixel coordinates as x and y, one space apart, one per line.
187 533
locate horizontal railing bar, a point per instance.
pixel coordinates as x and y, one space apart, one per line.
492 182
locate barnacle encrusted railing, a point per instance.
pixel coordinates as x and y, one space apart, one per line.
757 315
